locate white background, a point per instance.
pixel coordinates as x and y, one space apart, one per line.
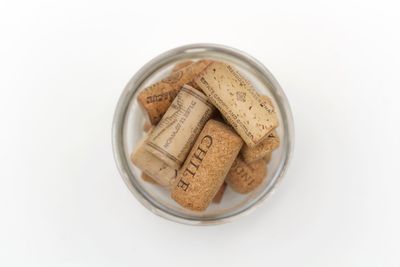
63 66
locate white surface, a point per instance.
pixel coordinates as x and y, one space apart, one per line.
62 69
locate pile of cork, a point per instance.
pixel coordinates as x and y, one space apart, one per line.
207 128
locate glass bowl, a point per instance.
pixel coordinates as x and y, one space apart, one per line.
127 131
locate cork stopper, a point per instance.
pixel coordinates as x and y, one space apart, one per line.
156 98
174 136
147 178
264 148
267 100
147 126
218 197
153 166
238 101
181 65
184 64
245 177
206 166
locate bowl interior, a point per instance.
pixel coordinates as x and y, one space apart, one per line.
128 131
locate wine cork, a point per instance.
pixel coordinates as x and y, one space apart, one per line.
245 177
238 101
147 126
218 197
174 136
153 166
261 150
156 98
181 65
266 99
148 178
205 168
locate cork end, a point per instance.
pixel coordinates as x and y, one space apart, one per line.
181 65
245 177
148 178
192 204
265 147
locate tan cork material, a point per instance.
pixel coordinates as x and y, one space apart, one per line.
245 177
238 101
181 65
261 150
267 99
153 166
206 166
218 197
174 136
147 126
156 98
148 178
268 157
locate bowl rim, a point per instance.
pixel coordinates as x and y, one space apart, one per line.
124 101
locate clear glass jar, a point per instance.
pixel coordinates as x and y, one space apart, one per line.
127 131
